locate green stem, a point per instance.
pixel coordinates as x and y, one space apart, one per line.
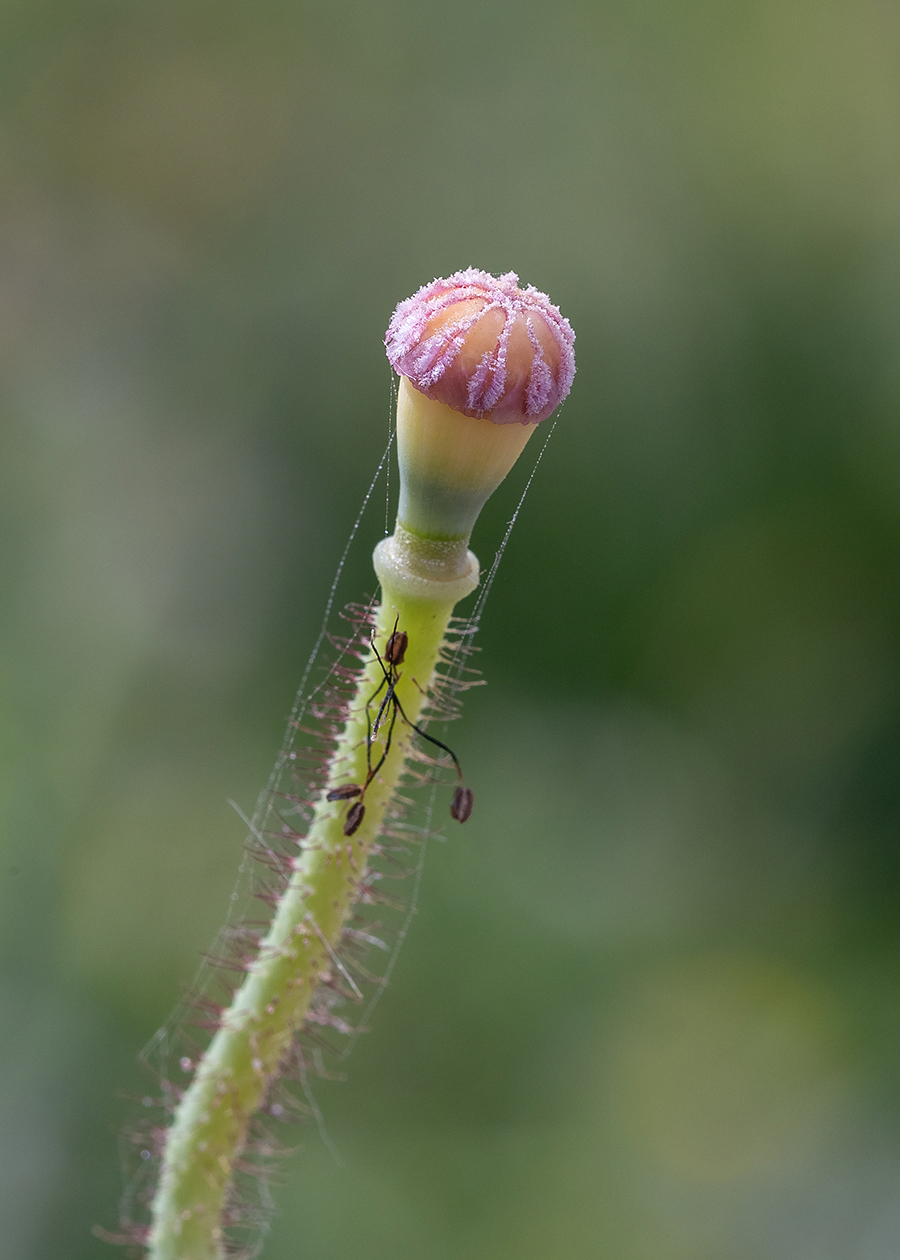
420 586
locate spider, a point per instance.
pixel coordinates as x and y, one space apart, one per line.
388 711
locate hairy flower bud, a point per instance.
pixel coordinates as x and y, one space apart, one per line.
481 362
484 346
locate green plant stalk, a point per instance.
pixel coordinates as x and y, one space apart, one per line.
481 362
421 582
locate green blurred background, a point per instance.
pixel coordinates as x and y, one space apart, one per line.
649 1007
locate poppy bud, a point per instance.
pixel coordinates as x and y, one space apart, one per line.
484 346
482 362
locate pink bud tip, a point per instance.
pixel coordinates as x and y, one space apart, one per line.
484 347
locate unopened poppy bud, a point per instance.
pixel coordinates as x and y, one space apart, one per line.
484 346
482 362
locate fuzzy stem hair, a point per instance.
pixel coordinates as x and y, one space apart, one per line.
254 1040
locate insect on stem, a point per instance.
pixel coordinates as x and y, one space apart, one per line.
394 655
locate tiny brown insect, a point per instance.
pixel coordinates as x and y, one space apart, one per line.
461 806
395 648
345 792
355 815
389 710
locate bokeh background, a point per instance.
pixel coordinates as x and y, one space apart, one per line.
649 1007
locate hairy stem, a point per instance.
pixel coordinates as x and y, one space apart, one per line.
249 1049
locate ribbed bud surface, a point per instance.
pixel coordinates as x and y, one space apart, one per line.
484 346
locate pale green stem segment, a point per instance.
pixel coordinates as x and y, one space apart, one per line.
421 582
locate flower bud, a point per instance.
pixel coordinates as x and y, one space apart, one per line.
485 347
482 362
